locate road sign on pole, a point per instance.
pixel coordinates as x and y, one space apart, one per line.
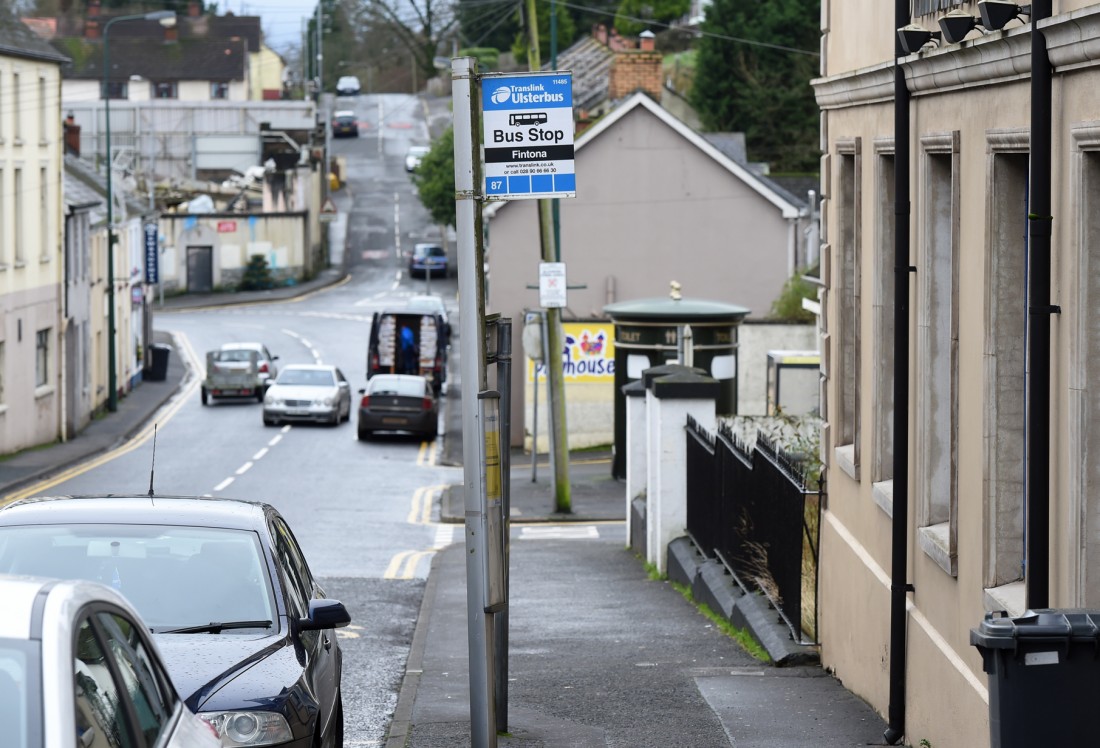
552 285
528 135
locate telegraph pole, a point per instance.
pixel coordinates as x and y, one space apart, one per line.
555 385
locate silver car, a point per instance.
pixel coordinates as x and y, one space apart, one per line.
77 667
268 370
308 392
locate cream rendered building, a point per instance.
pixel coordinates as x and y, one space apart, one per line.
968 150
31 402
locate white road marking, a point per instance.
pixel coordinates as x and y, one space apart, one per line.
244 468
224 484
260 455
559 532
275 440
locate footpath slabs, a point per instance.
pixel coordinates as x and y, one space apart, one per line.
528 135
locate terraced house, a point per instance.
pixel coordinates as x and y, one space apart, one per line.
961 248
30 237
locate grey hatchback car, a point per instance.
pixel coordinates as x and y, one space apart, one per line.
398 402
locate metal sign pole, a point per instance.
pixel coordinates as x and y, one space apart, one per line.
465 88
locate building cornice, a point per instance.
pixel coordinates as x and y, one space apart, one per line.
1073 42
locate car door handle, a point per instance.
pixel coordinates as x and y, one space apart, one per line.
328 643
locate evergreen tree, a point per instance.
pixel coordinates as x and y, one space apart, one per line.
566 33
435 180
257 275
752 75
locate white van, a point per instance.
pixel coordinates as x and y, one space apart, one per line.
348 85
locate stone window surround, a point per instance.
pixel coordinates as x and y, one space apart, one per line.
847 454
937 516
882 328
1002 494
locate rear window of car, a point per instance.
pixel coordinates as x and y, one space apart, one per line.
430 250
395 386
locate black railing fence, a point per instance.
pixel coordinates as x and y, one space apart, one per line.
749 507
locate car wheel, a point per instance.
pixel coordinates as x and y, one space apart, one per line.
364 435
260 394
431 435
269 421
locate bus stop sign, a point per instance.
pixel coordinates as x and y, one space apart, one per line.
528 137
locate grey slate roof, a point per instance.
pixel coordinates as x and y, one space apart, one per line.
590 62
155 60
84 185
17 40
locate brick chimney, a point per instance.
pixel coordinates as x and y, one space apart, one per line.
637 70
599 32
91 20
72 135
194 10
647 41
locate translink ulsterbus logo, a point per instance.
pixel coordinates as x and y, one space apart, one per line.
532 94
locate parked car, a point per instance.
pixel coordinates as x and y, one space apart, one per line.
233 374
266 362
308 392
347 85
78 668
415 155
428 258
245 631
345 123
398 402
406 342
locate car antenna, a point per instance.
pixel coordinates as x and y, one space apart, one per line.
153 467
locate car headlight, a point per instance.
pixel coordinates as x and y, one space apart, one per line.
248 728
329 402
271 400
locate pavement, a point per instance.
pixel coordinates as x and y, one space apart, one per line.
598 652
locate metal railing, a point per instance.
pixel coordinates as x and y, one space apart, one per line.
750 508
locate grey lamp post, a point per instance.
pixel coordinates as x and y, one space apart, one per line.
167 19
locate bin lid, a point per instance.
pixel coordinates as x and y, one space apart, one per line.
1047 625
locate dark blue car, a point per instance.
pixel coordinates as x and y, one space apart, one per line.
246 633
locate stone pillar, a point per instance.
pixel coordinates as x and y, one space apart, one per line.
673 392
635 453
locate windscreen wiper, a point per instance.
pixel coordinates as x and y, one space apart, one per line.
215 628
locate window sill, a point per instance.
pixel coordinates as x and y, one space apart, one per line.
45 390
17 141
846 460
44 260
1011 598
3 409
20 264
883 494
935 541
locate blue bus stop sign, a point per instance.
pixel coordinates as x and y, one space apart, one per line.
152 254
528 135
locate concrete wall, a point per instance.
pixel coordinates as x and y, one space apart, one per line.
754 339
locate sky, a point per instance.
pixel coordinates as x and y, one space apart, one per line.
283 20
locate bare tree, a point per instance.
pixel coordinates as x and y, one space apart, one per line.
421 26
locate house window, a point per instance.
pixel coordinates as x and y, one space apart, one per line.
44 213
882 343
17 214
937 369
1004 355
16 108
164 90
219 90
845 240
42 358
116 90
42 110
2 368
927 7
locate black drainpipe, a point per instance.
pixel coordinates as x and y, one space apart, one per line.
899 550
1039 222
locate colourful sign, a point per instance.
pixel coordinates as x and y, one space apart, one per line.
227 227
588 354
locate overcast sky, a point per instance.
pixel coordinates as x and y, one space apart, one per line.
283 20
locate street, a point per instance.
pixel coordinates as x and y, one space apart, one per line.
363 512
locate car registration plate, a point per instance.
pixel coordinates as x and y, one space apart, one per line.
395 421
297 412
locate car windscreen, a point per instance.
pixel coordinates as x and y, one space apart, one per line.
176 576
20 693
307 377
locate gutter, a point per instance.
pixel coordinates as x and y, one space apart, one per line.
899 535
1039 222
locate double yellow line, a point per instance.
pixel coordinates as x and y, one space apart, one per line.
403 565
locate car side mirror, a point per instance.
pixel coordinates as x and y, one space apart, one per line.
325 614
362 390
